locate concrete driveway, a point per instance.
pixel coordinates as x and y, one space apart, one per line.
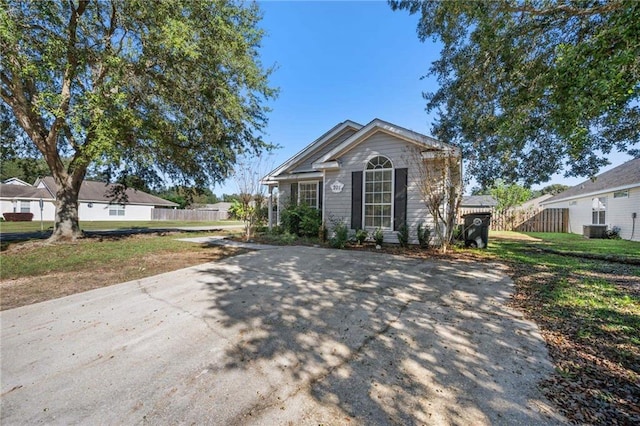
293 335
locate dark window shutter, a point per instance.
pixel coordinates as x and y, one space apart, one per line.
320 188
356 200
400 199
294 194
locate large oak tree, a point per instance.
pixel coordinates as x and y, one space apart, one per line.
529 88
158 89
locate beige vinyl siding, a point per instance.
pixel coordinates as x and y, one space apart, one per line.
618 212
338 205
306 165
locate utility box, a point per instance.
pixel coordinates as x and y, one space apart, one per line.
476 229
594 231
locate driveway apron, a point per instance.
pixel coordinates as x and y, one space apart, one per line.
294 335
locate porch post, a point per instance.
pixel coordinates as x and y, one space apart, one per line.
270 202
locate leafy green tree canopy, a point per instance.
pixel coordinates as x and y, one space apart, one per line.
528 88
509 195
156 89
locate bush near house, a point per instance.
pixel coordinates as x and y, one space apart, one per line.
301 220
18 217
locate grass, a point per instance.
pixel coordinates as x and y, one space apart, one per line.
38 271
577 244
34 226
589 312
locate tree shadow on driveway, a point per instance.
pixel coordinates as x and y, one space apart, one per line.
334 336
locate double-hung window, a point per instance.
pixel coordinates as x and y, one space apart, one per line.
308 194
116 210
598 210
25 206
378 193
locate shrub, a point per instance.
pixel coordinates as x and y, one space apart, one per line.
301 220
378 236
424 236
613 233
287 238
323 232
341 235
18 217
310 221
403 235
361 236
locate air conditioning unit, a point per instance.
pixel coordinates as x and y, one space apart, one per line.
594 231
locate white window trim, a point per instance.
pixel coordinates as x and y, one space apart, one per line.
23 204
625 195
364 192
606 204
117 208
309 182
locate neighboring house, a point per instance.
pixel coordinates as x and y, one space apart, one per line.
95 201
365 176
611 198
535 203
477 203
16 181
17 196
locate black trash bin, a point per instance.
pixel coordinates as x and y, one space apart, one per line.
476 229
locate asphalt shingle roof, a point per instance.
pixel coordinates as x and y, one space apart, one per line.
102 192
478 201
623 175
22 191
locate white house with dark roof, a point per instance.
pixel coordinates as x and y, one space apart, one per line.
611 199
365 176
95 201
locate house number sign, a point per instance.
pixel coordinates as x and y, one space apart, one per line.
337 186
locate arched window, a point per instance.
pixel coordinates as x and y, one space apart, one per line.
378 193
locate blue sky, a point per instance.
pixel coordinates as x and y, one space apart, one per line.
346 60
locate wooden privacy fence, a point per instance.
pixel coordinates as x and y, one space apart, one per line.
547 220
194 215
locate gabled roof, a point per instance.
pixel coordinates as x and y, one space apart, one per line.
326 154
535 203
16 181
378 125
92 191
478 201
8 190
624 176
313 147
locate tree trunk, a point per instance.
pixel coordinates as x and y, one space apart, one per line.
67 225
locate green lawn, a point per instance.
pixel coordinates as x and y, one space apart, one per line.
87 254
578 244
589 312
34 226
36 271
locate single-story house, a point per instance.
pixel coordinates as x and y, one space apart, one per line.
486 202
95 201
367 177
610 199
535 203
